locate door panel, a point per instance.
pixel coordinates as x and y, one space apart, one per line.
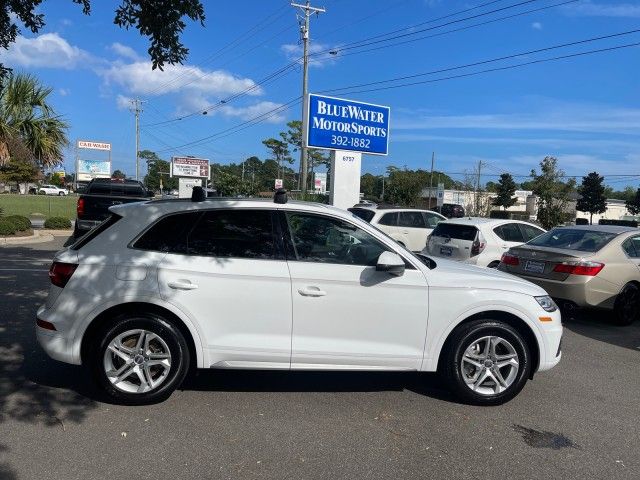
347 315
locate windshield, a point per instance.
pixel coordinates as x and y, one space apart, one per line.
573 239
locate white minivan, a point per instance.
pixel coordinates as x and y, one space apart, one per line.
407 226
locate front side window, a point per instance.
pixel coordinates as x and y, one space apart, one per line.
233 233
411 220
320 239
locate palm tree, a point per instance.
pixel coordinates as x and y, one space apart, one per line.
26 118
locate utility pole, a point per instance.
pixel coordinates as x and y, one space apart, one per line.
433 157
477 209
136 109
307 9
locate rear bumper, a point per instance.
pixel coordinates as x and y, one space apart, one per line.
87 224
593 292
55 344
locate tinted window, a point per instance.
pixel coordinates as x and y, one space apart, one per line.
460 232
94 232
365 214
328 240
432 219
169 234
529 232
631 247
509 232
99 189
570 239
389 219
233 233
411 220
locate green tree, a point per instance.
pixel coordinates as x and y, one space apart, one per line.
18 171
404 187
57 179
633 204
316 158
553 194
592 195
28 123
161 22
118 174
157 172
506 190
371 186
279 152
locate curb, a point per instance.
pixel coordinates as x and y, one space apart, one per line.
39 236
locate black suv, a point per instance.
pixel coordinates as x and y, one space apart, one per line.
451 210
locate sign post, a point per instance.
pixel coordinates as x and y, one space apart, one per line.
348 128
440 195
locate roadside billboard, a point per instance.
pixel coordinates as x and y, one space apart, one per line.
94 145
88 169
189 167
341 124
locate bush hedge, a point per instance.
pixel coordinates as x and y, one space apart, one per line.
57 223
22 223
7 227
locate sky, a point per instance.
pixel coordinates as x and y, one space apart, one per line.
243 69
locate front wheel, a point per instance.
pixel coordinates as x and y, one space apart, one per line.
139 359
61 194
627 305
487 362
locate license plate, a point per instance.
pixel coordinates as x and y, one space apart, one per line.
446 251
534 267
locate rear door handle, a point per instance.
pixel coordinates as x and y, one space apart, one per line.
406 232
182 285
311 292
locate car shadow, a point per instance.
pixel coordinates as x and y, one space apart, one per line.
600 325
427 384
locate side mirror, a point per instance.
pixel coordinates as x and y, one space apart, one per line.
391 263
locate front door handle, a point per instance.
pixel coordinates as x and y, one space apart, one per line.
182 285
311 292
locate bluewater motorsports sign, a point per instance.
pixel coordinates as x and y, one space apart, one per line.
340 124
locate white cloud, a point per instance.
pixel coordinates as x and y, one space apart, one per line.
48 50
251 111
596 9
64 92
139 78
123 102
123 51
319 55
536 26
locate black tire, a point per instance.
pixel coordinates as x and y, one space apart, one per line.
60 194
493 264
174 340
627 305
466 335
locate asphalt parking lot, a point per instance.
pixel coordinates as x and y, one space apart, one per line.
580 420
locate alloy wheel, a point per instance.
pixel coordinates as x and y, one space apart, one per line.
489 365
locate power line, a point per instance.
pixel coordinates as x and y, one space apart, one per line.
471 74
484 62
454 30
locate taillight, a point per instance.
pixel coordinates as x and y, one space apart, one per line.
590 269
80 207
60 273
511 260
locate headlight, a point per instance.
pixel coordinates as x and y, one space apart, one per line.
547 303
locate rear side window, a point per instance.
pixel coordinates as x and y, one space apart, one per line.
363 213
509 232
94 232
573 239
411 220
631 247
530 232
99 188
389 219
432 219
169 234
233 233
459 232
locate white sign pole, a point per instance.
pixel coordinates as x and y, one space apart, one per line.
345 178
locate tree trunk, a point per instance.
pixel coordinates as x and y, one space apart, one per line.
590 218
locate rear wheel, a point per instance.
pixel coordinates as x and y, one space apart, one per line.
493 264
627 305
487 362
139 359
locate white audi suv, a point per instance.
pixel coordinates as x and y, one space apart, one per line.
167 285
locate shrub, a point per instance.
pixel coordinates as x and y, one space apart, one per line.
501 214
22 223
57 223
7 227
